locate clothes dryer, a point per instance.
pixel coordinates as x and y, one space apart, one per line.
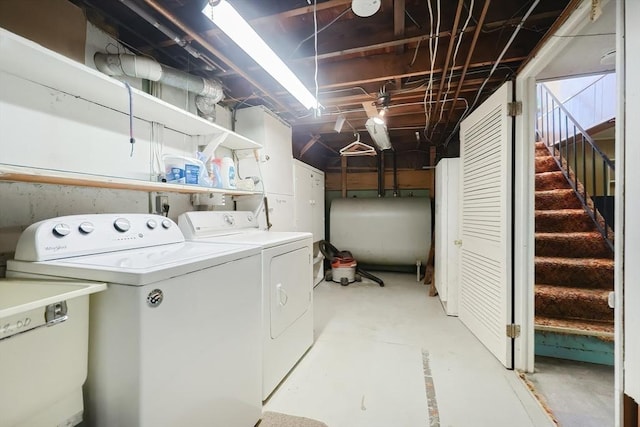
175 339
287 284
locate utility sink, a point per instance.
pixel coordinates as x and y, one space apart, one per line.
44 331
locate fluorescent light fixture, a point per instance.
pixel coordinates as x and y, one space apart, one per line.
378 133
233 25
378 120
339 123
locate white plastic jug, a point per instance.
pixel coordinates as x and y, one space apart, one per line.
228 173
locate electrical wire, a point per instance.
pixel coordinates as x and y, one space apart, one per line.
433 52
455 55
132 140
316 31
415 54
349 89
495 65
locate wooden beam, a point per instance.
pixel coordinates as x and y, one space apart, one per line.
445 68
407 180
342 47
398 22
370 108
205 44
476 33
309 144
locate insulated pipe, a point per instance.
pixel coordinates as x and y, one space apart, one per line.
147 68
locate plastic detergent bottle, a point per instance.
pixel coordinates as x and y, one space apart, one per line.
214 166
228 173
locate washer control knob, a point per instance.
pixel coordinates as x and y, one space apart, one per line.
86 228
152 224
166 224
249 217
229 219
122 225
61 230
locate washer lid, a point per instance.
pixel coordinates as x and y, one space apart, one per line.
266 239
140 266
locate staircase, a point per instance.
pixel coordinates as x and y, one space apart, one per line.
573 272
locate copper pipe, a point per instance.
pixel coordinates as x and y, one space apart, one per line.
445 67
469 55
195 36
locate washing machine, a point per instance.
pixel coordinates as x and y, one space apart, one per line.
287 284
176 338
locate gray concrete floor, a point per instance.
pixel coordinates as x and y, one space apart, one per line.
578 394
367 367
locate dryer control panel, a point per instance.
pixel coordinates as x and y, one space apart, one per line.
77 235
200 224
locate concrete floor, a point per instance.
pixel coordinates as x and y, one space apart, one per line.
578 394
380 351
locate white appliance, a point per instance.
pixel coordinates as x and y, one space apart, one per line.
287 284
274 166
447 234
44 329
175 338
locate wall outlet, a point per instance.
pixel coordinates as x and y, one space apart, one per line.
162 204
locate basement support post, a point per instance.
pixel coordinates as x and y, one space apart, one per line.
343 164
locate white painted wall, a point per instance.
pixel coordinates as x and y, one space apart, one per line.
44 128
559 57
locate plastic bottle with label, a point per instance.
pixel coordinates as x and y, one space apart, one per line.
228 173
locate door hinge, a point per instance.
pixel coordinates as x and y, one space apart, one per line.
513 331
514 108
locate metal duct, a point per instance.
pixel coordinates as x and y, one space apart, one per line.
382 231
147 68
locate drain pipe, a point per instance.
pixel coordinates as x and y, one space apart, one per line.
147 68
381 174
395 174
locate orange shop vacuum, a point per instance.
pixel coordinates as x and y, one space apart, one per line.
344 267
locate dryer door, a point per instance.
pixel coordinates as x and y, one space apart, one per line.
290 286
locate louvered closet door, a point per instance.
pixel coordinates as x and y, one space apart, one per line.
485 217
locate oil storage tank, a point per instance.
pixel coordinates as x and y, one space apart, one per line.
382 231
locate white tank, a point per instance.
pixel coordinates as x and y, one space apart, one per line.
382 231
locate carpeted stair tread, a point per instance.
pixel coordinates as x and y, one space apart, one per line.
572 303
556 199
602 330
563 220
578 245
550 181
542 150
575 272
546 164
573 263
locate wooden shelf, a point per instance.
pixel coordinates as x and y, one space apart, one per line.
46 176
30 61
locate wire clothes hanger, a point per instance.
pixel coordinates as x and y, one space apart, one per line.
357 148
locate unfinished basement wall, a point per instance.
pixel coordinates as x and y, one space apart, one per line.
53 131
